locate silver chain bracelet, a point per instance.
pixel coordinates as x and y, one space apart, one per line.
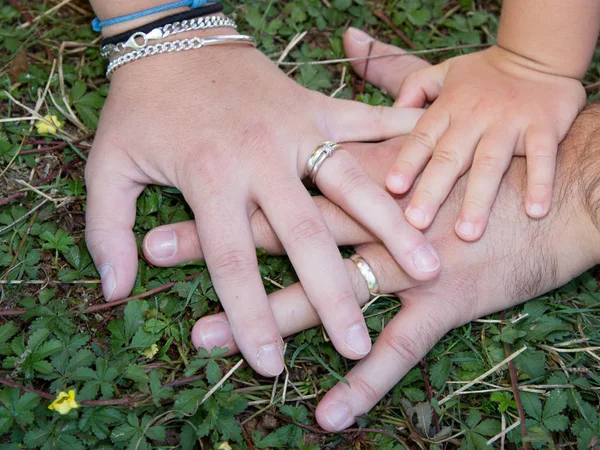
199 23
176 46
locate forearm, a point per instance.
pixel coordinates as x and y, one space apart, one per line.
558 36
575 223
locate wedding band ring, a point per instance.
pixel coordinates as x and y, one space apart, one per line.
367 273
318 157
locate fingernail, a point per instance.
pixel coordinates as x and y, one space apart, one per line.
397 183
109 282
359 36
466 228
216 333
337 415
161 244
416 214
358 339
426 259
270 359
536 210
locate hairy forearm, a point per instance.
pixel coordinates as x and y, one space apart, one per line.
574 222
557 36
579 169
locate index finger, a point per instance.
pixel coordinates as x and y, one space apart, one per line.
292 308
405 341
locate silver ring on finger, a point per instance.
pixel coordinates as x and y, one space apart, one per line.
367 273
318 157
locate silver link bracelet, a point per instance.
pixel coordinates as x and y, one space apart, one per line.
176 46
199 23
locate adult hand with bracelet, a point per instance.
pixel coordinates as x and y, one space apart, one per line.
518 259
234 134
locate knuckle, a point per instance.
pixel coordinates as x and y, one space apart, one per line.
311 229
404 348
475 204
425 192
352 177
379 115
365 390
405 165
342 299
410 348
541 186
422 138
447 157
257 321
545 159
486 163
96 239
232 264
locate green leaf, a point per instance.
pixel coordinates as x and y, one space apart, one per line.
531 362
91 99
156 433
544 326
440 372
473 418
7 330
532 405
342 5
555 404
297 413
187 401
213 372
137 374
85 374
37 338
48 348
37 436
60 241
488 427
420 17
78 89
556 423
133 317
98 420
315 78
510 335
89 116
187 438
229 428
6 420
143 340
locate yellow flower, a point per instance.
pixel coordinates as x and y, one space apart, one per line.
49 125
224 446
64 402
151 351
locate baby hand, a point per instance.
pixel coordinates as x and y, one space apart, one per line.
487 107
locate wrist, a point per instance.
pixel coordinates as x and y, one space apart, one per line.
510 61
107 9
155 16
179 67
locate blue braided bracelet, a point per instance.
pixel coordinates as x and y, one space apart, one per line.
97 25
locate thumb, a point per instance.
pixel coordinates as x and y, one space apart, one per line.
110 216
421 87
386 72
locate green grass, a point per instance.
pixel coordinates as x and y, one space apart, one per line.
49 343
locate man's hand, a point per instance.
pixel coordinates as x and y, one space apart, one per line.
518 259
486 107
233 134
